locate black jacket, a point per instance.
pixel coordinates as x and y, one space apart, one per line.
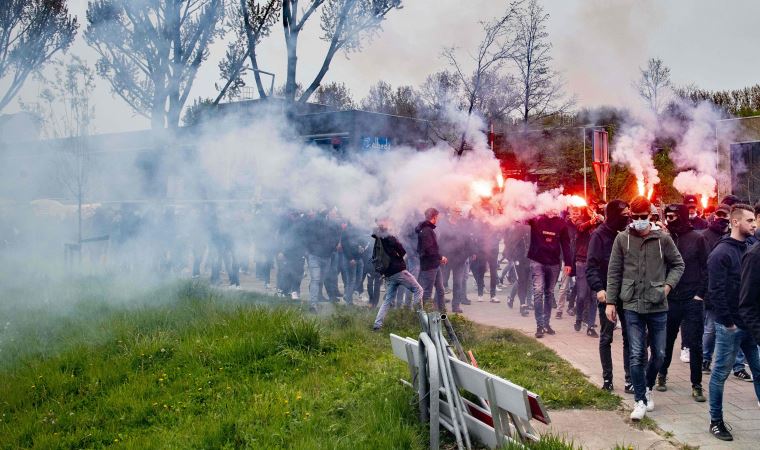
693 248
585 226
427 246
712 236
698 223
598 257
394 249
549 239
724 268
749 294
456 240
323 236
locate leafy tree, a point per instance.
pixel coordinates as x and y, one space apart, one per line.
31 33
336 95
150 50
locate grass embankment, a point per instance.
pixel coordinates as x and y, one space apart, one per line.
187 367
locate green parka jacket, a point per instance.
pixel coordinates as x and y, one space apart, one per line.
639 269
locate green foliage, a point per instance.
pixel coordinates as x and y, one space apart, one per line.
547 442
187 366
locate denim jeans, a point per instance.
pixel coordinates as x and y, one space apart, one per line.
405 279
544 280
565 287
688 316
708 343
318 267
458 276
430 279
585 305
727 343
642 328
606 333
351 277
404 294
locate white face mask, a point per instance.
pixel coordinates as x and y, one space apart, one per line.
641 224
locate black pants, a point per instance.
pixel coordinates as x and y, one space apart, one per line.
522 287
486 261
374 281
605 344
690 314
290 272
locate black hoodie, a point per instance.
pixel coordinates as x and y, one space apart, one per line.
427 246
749 295
693 248
724 269
549 238
600 245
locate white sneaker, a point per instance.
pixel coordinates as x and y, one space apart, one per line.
685 355
480 298
495 300
294 295
639 411
650 400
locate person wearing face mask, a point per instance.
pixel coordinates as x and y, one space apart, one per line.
645 266
617 216
685 302
697 222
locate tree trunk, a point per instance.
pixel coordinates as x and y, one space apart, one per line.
290 82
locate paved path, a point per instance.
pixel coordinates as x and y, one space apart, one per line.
675 412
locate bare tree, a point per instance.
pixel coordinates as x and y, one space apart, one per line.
439 93
31 33
492 53
66 113
336 95
382 98
654 84
250 21
150 50
541 88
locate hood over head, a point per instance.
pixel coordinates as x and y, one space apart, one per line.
682 224
614 217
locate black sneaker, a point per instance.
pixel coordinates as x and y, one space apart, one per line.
524 311
466 302
661 383
706 366
607 386
548 330
457 310
720 430
571 311
558 315
539 333
591 332
577 326
376 328
510 303
697 395
743 375
628 388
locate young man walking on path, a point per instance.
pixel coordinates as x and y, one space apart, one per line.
724 266
644 267
430 259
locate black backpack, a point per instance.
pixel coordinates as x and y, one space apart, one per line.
381 260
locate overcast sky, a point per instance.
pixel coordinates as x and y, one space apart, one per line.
598 47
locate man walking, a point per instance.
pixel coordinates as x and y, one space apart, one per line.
724 266
393 268
430 259
549 242
618 215
686 301
644 267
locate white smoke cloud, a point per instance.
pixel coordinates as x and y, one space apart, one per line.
633 149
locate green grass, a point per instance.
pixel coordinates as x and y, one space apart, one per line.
184 366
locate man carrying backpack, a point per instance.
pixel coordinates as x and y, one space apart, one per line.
388 260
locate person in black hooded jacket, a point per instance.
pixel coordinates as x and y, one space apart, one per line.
617 216
430 259
686 300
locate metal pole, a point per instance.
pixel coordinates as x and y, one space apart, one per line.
585 189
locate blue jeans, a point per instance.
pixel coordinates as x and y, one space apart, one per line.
643 372
413 266
727 343
430 279
406 280
544 280
351 277
318 267
708 343
586 304
458 277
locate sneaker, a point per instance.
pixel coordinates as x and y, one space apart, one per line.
539 333
684 355
499 288
743 375
639 411
591 332
650 400
510 303
697 395
377 328
457 310
554 304
548 330
447 291
495 300
577 326
570 311
662 383
720 430
558 315
705 366
480 298
608 386
294 296
524 311
628 389
466 302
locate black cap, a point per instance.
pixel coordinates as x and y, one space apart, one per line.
690 200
